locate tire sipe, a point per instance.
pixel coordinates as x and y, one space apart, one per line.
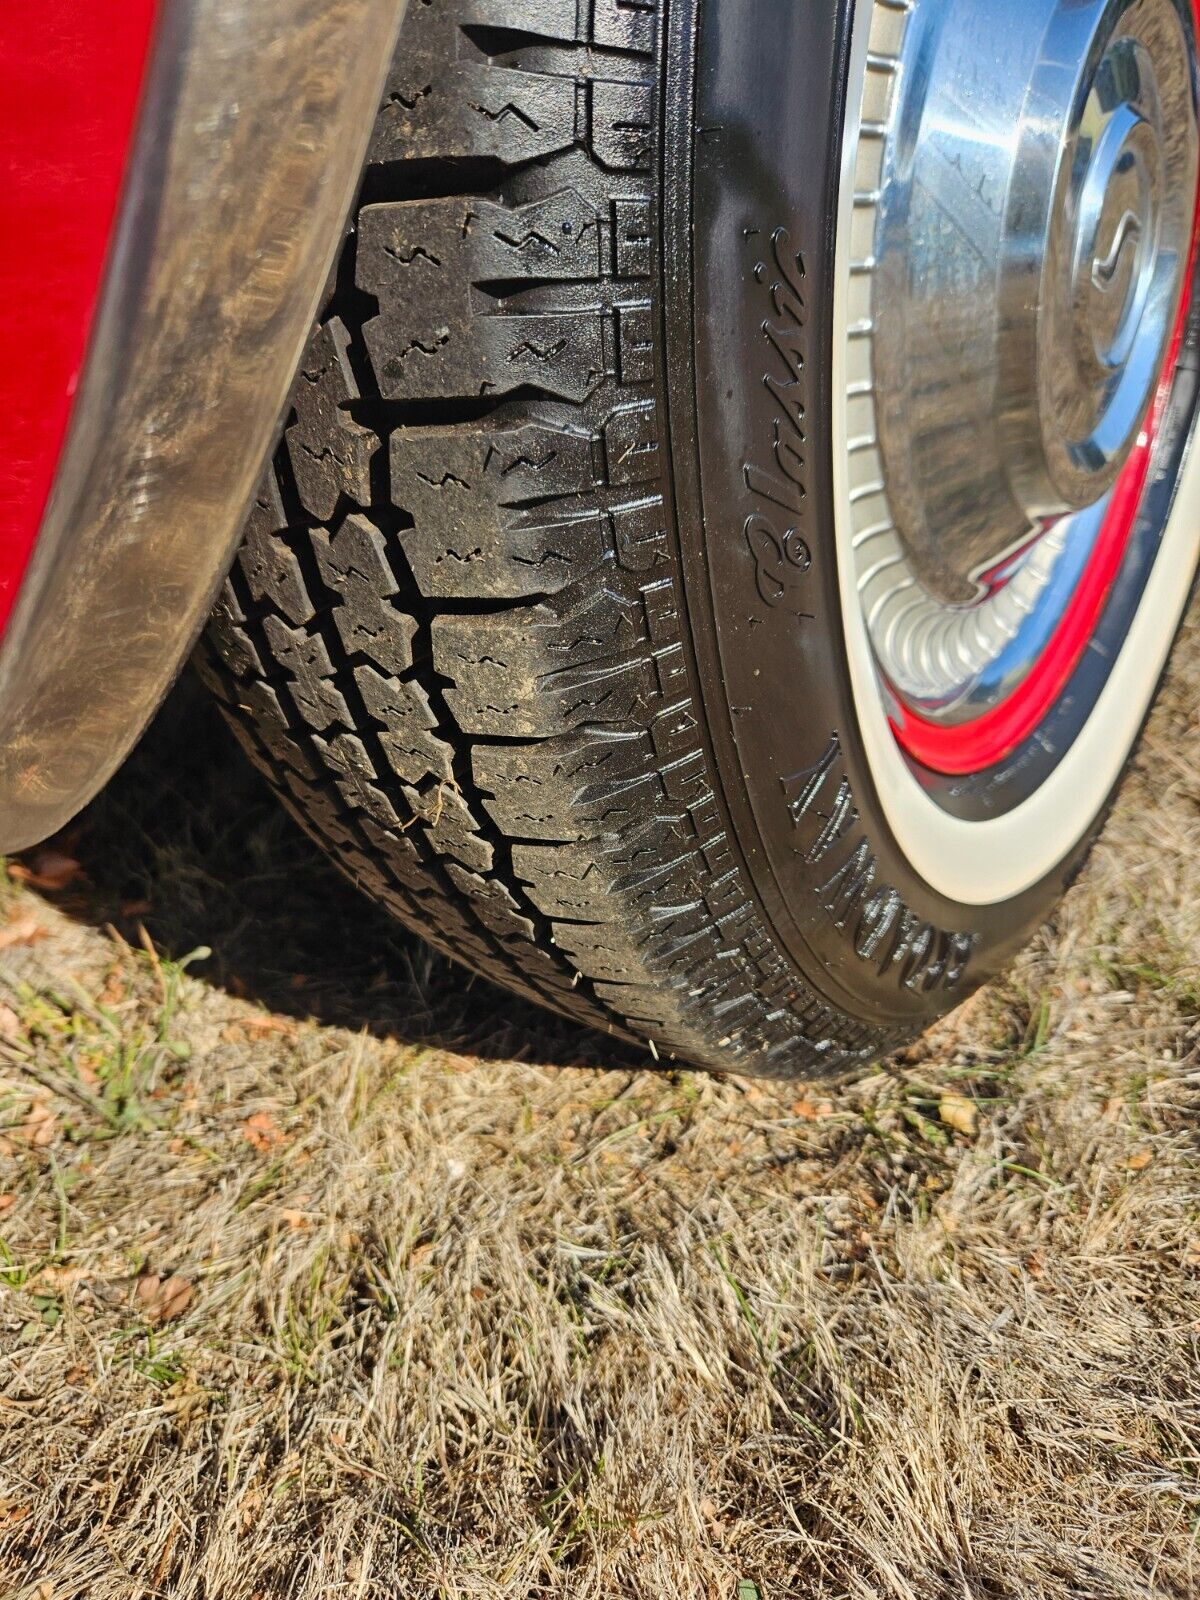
540 625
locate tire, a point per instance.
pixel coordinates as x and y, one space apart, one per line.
538 625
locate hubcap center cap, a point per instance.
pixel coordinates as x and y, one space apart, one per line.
1116 243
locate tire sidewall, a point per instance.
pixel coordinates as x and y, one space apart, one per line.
759 203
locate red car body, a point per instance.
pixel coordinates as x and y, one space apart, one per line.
72 77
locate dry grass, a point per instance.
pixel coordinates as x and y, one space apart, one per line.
446 1322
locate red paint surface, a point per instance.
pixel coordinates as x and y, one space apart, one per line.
70 78
979 744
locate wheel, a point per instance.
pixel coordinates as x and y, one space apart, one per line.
735 507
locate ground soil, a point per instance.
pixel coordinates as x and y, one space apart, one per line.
327 1270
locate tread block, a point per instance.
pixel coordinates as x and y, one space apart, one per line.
272 728
472 536
640 535
441 247
625 24
635 343
452 109
559 789
227 632
496 905
356 778
622 124
633 236
271 567
551 19
409 741
600 952
403 860
422 350
305 657
563 881
604 621
330 453
353 562
450 825
614 24
502 685
314 809
434 108
631 444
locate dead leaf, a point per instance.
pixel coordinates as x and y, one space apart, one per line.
7 1202
262 1027
188 1398
49 869
56 1279
148 1286
260 1130
251 1506
115 988
39 1127
165 1556
812 1111
23 929
959 1113
88 1075
163 1299
255 1028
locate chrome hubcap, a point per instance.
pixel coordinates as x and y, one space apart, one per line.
1025 180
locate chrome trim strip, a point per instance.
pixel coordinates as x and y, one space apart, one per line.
250 140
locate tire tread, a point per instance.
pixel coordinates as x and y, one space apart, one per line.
453 637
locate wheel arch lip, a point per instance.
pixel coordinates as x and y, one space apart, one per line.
248 146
